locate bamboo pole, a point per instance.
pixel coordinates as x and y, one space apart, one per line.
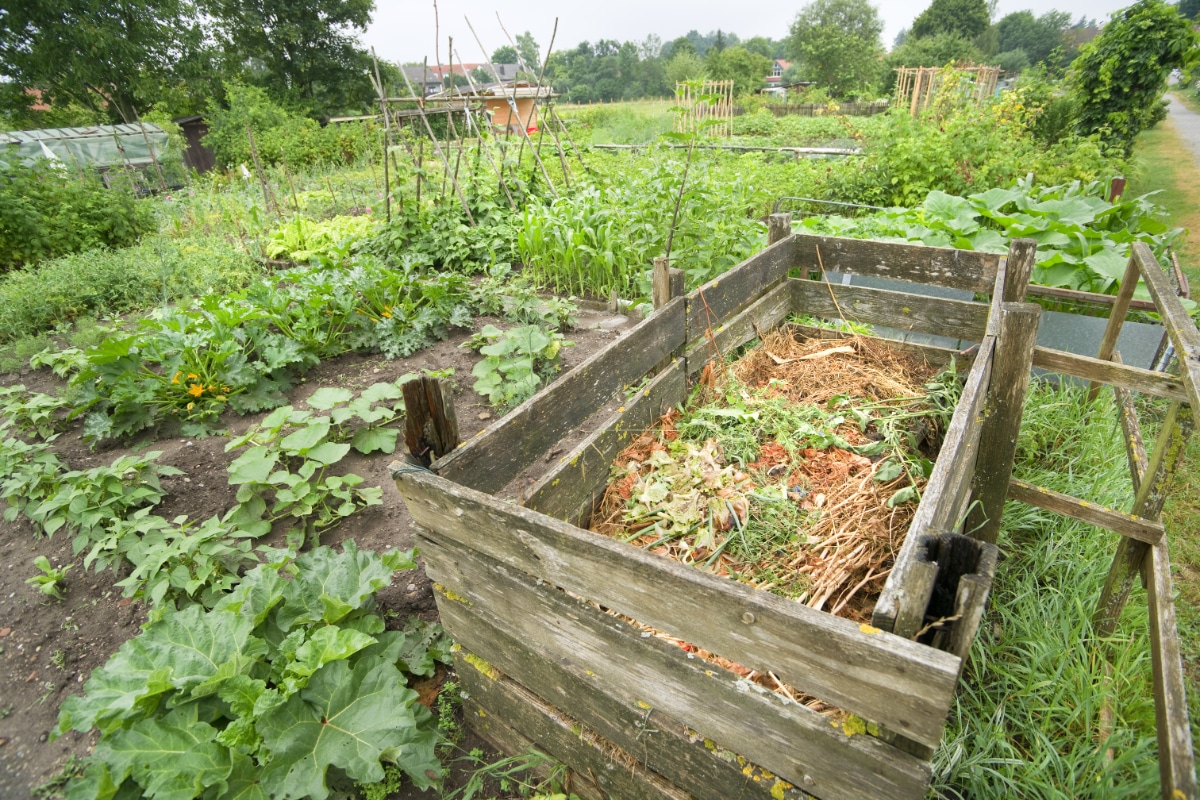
387 139
438 149
498 168
512 104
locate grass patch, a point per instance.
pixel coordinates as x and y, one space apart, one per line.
1032 716
1157 167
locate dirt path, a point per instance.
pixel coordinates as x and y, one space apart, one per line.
1186 123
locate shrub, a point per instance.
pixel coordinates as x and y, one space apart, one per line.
47 210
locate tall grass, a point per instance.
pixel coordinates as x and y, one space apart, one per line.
1041 713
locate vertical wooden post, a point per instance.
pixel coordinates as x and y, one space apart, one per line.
667 283
430 422
779 227
1022 254
1005 403
1116 319
268 195
1151 495
1176 760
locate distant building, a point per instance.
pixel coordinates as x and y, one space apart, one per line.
495 102
778 67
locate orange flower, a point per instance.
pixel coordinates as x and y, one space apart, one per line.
176 378
196 390
192 376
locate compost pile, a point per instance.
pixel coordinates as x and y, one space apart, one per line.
795 470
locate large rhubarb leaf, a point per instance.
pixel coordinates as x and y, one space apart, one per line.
173 757
127 686
348 718
329 585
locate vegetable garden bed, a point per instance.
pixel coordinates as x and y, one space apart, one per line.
525 590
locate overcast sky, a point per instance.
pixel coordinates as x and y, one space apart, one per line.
403 30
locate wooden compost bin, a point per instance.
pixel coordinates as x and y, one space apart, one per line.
521 588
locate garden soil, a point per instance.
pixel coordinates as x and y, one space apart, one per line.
48 648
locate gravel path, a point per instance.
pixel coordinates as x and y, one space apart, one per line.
1187 123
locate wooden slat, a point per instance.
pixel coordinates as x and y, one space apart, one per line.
1087 297
901 606
897 683
1144 530
1179 325
622 715
570 491
907 312
1022 254
1151 496
1176 760
495 457
716 301
643 671
936 266
1159 384
765 314
1131 431
514 720
971 602
1116 319
1005 405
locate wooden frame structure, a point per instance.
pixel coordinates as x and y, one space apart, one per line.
524 590
916 87
703 115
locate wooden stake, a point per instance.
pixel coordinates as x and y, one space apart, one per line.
437 148
268 195
430 423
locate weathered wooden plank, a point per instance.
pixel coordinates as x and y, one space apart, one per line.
643 672
937 266
1159 384
1022 254
492 459
716 301
1179 325
570 491
1116 318
505 702
1151 496
971 602
493 730
1131 430
621 715
901 605
1002 421
779 227
907 312
888 680
430 423
766 313
1090 298
1144 530
1176 760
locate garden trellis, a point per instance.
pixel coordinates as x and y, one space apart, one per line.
708 108
916 87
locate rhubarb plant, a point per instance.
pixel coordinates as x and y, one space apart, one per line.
291 674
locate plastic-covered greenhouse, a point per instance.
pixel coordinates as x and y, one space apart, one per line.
99 146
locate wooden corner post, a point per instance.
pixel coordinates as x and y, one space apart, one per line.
779 227
1005 403
430 423
666 283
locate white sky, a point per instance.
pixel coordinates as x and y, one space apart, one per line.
403 30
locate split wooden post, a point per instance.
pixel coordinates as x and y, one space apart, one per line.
430 423
779 227
1022 254
1151 495
1006 401
667 283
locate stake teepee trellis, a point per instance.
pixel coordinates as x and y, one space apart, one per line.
916 87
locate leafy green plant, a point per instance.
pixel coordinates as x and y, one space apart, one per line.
48 211
286 458
302 240
517 774
515 361
288 676
1083 240
50 581
31 413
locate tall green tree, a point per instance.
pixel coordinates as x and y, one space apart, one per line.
505 54
966 18
531 54
302 51
747 70
1189 8
109 56
1120 76
836 43
929 51
1037 36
